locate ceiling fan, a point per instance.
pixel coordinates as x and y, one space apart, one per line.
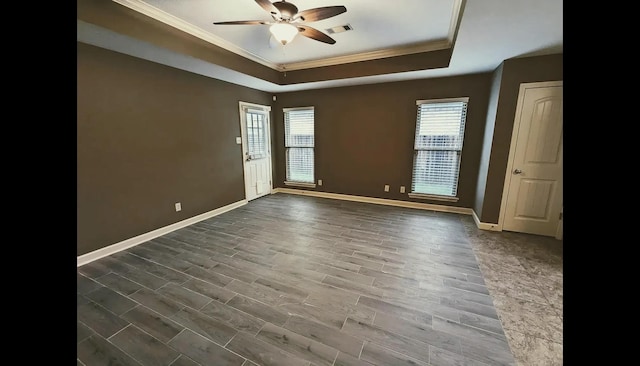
287 20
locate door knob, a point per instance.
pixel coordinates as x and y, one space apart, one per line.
517 171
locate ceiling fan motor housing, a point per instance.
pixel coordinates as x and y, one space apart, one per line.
287 10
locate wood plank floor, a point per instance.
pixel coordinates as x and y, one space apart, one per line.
294 280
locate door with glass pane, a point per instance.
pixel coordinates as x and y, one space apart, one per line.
256 149
533 185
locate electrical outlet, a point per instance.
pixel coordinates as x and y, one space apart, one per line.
386 188
319 182
401 189
178 206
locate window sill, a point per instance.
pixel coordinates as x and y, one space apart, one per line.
300 184
433 197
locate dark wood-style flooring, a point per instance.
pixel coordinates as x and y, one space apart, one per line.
294 280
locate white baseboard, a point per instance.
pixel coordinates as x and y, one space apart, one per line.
125 244
484 225
378 201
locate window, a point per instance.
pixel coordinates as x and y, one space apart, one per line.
437 148
256 136
299 144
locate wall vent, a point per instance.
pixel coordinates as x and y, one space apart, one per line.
339 29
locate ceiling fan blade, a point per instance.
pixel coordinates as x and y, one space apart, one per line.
311 15
268 6
315 34
239 22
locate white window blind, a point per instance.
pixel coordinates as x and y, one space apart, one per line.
438 146
299 144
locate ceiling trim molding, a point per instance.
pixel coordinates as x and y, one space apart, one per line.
456 17
367 56
164 17
454 24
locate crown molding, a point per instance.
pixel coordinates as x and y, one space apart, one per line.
456 17
454 24
164 17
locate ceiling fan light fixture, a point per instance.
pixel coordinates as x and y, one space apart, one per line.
283 32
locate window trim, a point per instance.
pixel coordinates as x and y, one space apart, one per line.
443 100
429 196
434 197
298 109
300 184
297 183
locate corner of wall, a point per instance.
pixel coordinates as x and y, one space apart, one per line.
484 225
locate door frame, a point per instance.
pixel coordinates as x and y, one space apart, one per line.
512 148
243 137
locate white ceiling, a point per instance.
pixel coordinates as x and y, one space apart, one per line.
488 32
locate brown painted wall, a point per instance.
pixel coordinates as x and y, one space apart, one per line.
365 134
389 65
149 136
483 169
514 72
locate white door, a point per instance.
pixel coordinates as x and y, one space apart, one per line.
256 149
532 196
